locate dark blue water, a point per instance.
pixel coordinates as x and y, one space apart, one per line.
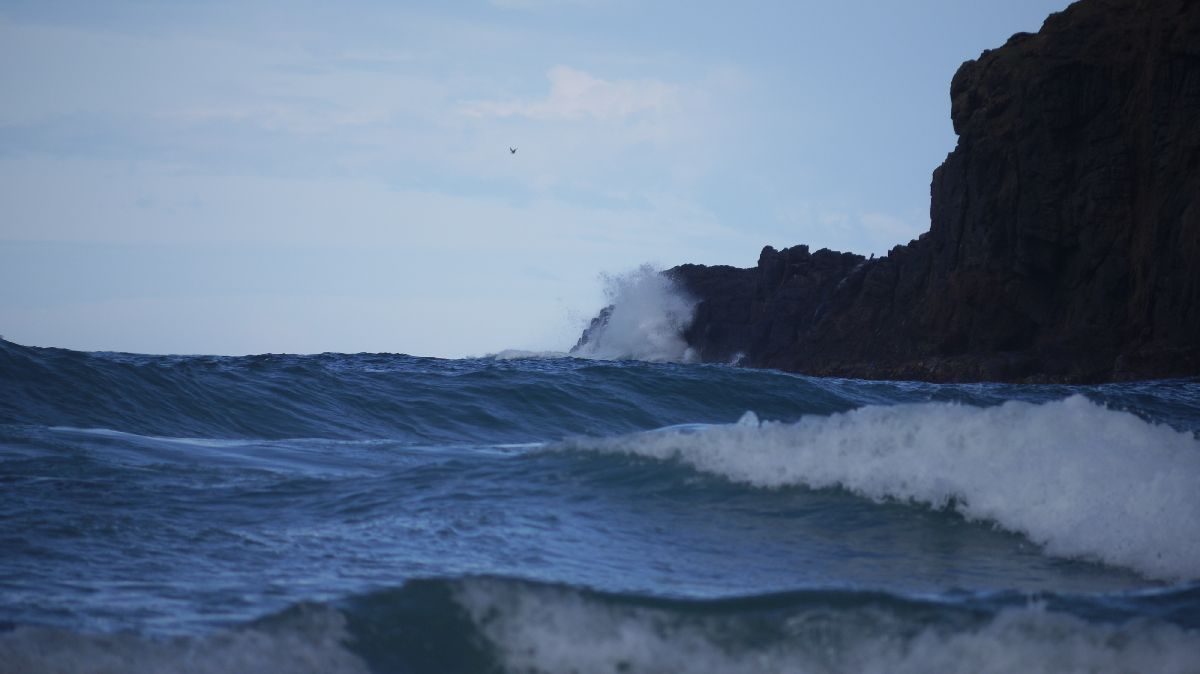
387 513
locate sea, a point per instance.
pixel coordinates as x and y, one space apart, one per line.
539 512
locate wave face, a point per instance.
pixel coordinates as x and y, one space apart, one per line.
1073 476
497 625
536 513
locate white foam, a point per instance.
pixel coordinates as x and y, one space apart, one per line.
650 313
520 354
310 640
536 630
1079 479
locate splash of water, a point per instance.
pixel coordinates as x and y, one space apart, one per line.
645 320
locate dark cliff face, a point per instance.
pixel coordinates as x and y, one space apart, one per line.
1065 237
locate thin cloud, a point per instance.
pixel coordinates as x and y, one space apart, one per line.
576 95
864 233
537 4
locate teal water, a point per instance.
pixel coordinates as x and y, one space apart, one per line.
386 513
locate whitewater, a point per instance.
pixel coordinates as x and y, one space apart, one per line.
619 509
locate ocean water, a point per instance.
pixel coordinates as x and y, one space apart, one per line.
540 513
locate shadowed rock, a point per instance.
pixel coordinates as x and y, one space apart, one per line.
1065 236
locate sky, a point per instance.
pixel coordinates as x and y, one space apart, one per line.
264 177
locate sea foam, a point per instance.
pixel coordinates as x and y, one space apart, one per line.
548 629
1079 479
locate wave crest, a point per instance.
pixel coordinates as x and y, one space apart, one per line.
1077 478
501 625
551 629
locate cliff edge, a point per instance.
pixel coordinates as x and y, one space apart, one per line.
1065 227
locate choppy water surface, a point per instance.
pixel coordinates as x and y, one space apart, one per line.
387 513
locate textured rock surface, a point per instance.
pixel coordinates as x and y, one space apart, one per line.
1065 235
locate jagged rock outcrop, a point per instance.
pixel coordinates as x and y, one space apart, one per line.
1065 236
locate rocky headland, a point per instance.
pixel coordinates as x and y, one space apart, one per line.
1065 228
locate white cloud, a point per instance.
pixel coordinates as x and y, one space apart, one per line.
194 141
191 78
575 94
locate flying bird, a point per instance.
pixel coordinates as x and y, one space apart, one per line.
512 150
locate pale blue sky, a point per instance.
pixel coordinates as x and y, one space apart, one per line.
247 177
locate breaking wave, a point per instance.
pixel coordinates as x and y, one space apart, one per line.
547 629
494 625
645 320
1079 479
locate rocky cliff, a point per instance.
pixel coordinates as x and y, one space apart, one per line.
1065 227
